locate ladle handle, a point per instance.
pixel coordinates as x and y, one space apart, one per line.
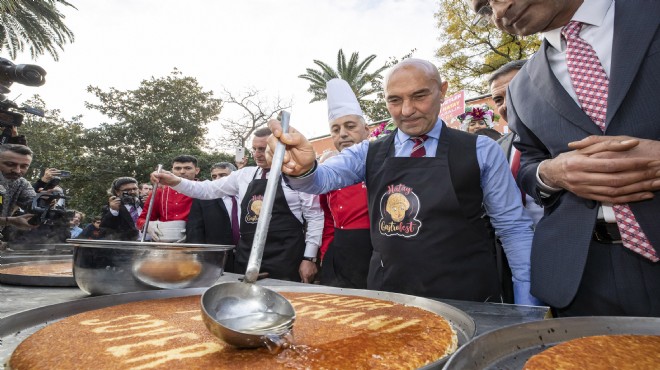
257 252
151 206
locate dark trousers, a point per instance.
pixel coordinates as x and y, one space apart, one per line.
616 282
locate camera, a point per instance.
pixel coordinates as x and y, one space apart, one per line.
26 74
127 198
48 209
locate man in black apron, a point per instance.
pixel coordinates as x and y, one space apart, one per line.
346 248
430 189
291 249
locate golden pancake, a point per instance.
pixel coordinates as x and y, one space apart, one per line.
59 268
331 332
620 352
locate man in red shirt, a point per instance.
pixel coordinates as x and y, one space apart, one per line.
346 244
170 205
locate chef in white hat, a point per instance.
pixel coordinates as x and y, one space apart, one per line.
346 247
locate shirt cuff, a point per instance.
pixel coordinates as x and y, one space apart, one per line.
545 190
114 213
311 251
522 295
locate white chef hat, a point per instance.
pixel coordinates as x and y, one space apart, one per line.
341 100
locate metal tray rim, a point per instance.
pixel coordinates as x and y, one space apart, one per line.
511 345
37 280
134 245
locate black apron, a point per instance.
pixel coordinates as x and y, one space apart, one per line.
346 262
285 243
427 227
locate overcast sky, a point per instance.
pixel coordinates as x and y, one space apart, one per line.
233 44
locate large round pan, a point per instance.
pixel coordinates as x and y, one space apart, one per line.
510 347
15 328
10 275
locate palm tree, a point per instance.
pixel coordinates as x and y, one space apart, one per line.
33 24
353 72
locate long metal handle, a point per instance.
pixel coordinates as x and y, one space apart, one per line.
257 252
151 206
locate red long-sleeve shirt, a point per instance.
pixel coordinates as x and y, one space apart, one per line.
169 205
344 209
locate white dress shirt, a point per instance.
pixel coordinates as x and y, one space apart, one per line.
303 206
598 31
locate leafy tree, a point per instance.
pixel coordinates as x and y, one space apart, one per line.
162 118
354 72
254 111
469 52
34 24
58 143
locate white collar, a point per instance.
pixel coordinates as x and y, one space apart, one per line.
591 12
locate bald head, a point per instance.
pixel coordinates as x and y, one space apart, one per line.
414 93
428 68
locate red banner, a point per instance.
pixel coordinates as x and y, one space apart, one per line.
452 107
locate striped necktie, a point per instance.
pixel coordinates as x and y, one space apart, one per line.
591 86
418 149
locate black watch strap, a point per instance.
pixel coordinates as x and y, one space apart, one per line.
310 259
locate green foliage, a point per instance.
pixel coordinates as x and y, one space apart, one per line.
34 24
470 52
161 119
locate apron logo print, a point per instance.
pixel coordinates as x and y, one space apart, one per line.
254 208
399 207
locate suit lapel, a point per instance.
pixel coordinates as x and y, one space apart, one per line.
634 28
553 92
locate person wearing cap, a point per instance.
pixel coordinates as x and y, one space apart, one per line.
294 232
124 206
171 208
346 248
453 182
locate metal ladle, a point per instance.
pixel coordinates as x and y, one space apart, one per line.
244 314
151 206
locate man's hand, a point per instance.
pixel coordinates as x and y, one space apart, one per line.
21 222
165 178
114 203
154 231
299 156
614 169
49 173
307 271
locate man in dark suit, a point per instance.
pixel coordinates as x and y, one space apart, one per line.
210 221
590 152
123 209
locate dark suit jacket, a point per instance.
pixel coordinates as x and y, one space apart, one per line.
547 119
210 223
120 227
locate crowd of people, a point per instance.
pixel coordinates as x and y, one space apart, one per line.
560 212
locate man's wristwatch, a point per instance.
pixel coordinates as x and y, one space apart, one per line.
310 259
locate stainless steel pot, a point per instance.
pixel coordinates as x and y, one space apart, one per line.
112 266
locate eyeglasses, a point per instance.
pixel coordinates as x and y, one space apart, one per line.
484 15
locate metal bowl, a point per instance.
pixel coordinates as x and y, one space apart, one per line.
113 266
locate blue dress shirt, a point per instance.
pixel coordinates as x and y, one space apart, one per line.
501 195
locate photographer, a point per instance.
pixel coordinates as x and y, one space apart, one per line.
50 178
123 209
16 191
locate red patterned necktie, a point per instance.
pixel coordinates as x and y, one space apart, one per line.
591 87
418 149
